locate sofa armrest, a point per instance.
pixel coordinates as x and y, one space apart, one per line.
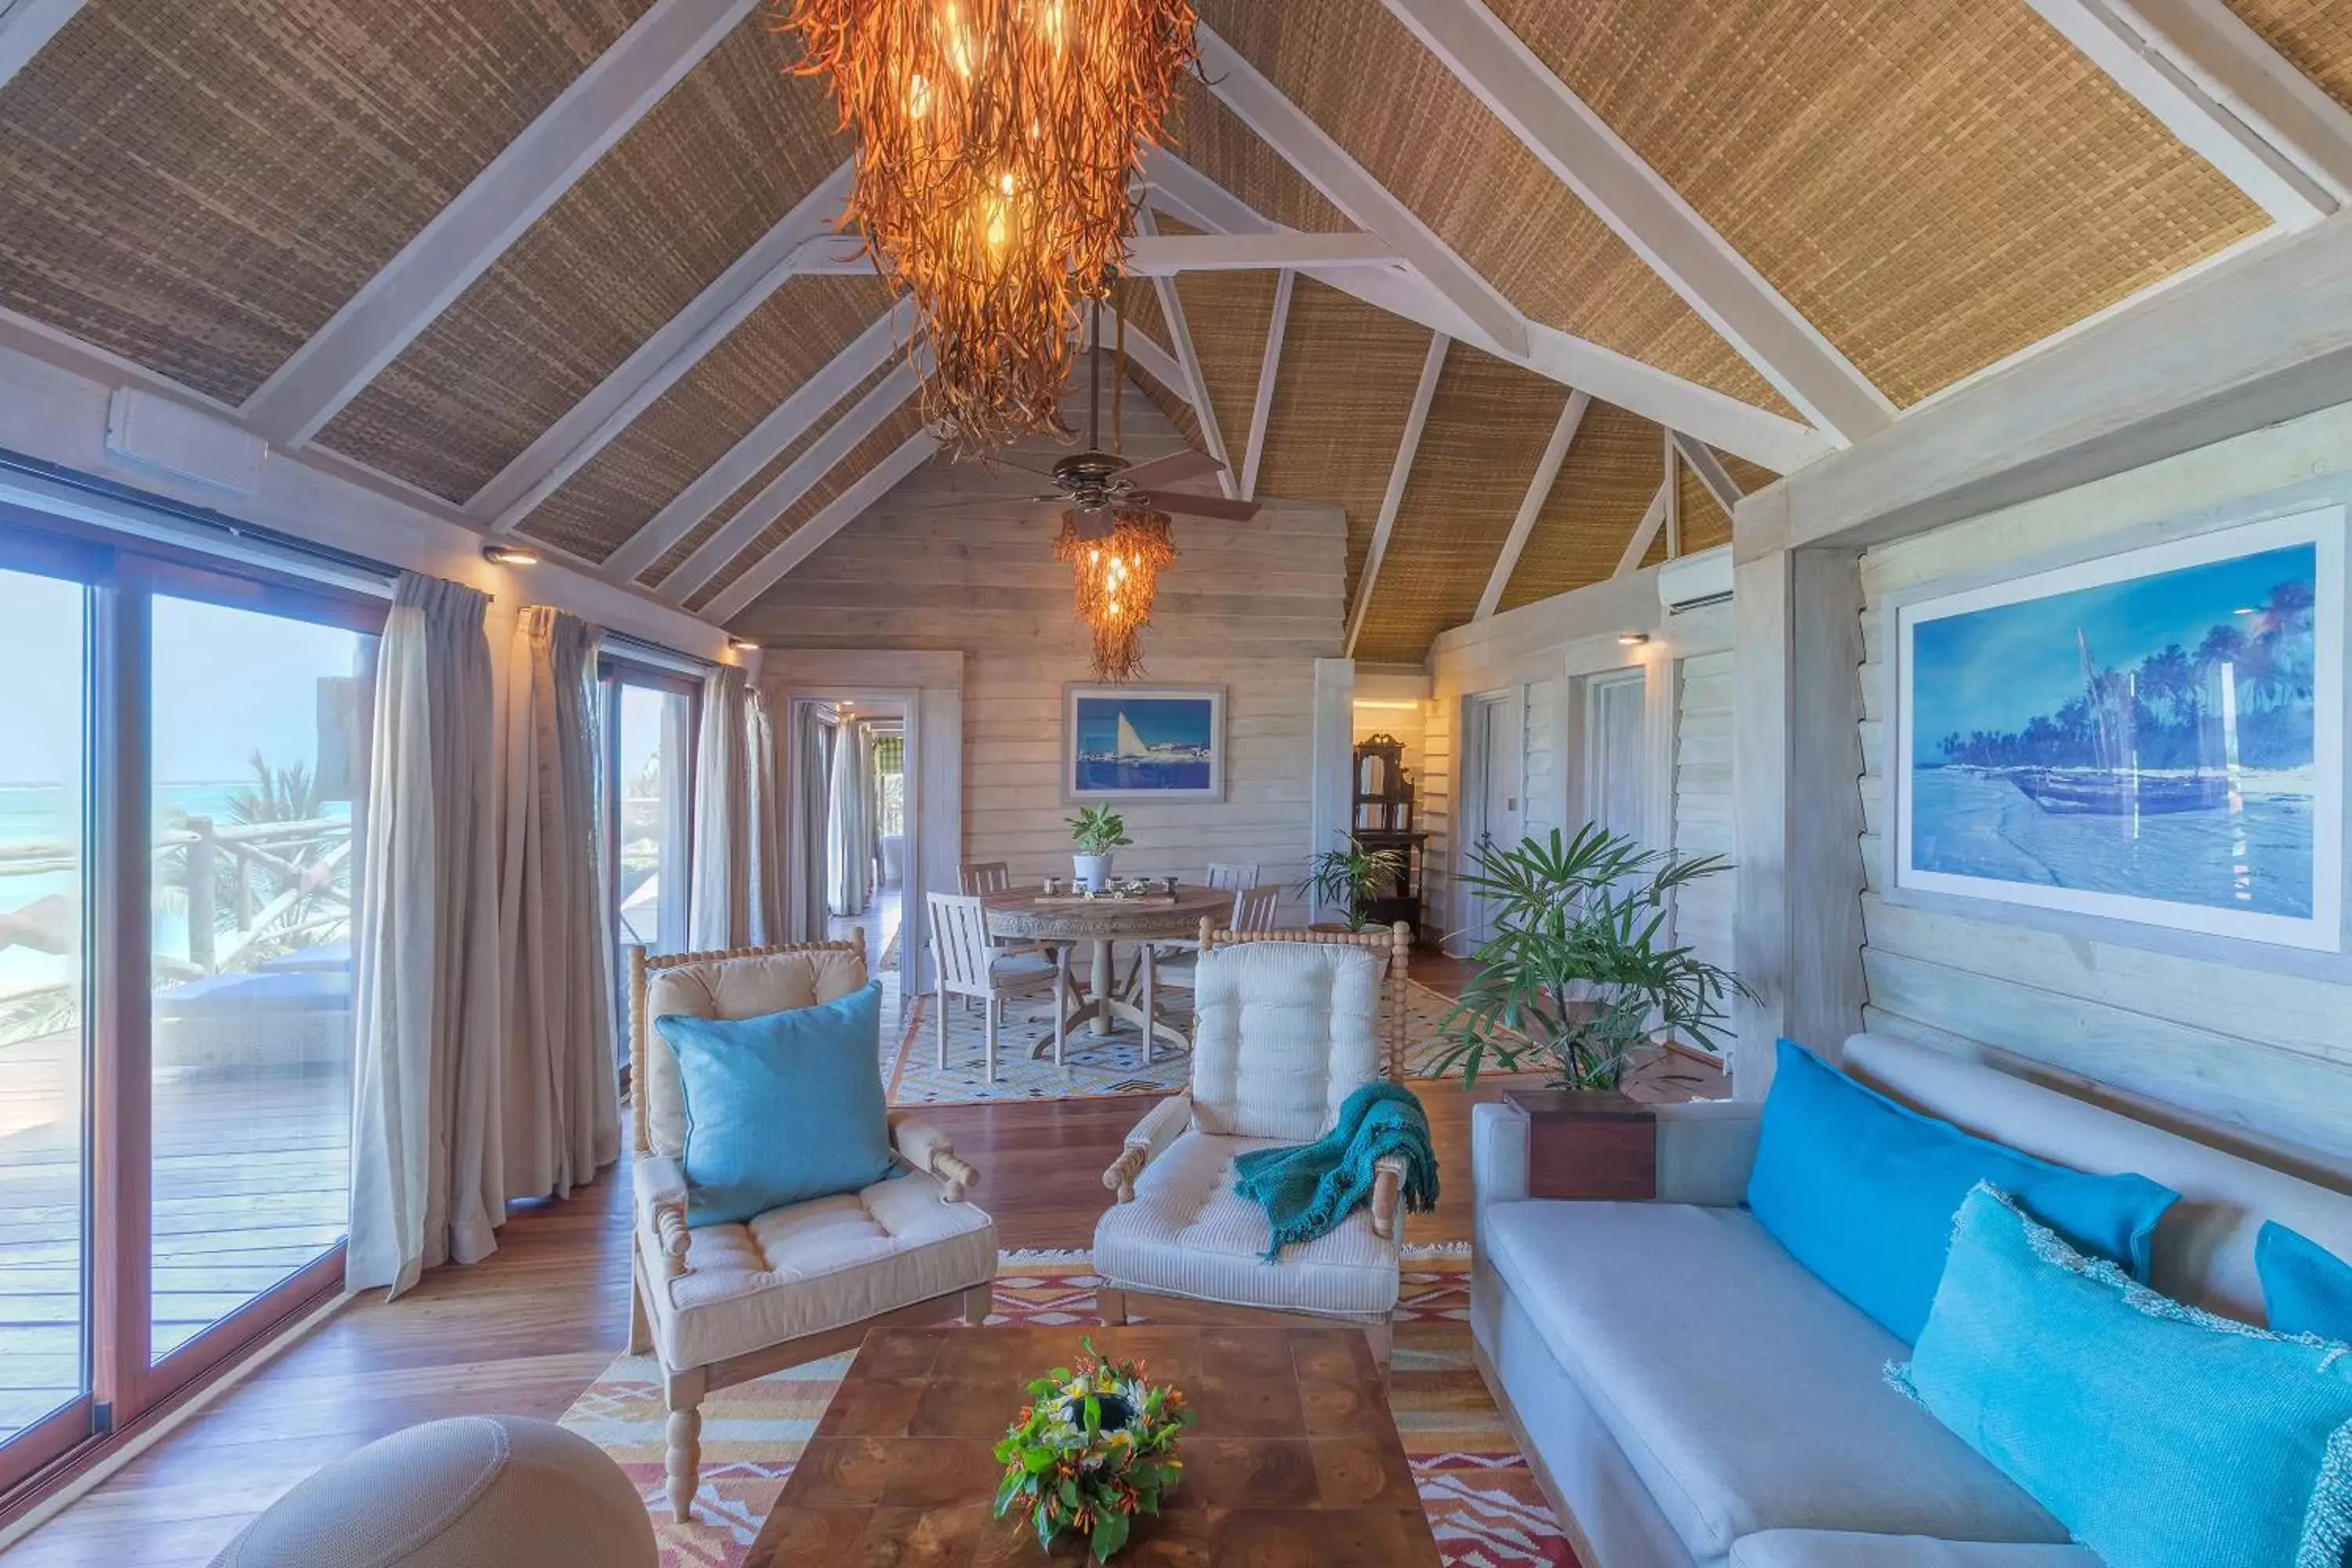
1146 1142
925 1148
660 1187
1498 1155
1706 1148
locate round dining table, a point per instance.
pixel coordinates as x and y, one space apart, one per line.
1025 914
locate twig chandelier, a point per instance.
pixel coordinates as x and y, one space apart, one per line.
996 140
1118 575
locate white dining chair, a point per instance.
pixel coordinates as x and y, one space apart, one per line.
967 966
1234 874
1254 911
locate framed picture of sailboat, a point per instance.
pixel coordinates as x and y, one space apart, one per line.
1143 742
2154 736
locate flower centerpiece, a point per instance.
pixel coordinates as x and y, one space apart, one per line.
1093 1448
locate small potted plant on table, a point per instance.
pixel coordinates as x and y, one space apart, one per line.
1096 830
1093 1451
1351 877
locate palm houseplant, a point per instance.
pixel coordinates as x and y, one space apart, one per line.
1096 830
1578 978
1351 877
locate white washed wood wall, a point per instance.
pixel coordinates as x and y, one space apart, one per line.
957 557
1702 804
2256 1054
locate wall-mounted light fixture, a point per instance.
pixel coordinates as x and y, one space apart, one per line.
742 644
510 555
1632 639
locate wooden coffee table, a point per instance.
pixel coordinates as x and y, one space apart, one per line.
1293 1460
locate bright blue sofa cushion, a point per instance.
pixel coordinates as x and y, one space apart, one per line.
782 1108
2160 1435
2306 1288
1861 1191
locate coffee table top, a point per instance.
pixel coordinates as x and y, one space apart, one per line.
1294 1458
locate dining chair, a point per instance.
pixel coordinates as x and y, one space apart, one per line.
1254 911
980 876
1235 874
967 966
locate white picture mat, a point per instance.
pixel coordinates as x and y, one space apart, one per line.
1214 695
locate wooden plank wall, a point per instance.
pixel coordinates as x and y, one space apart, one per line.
1703 803
2259 1056
959 557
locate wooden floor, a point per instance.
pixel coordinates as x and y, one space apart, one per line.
527 1330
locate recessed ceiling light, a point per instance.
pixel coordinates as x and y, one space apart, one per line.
510 555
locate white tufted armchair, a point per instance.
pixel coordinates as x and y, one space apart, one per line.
1288 1024
722 1304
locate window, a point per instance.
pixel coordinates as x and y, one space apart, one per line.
650 718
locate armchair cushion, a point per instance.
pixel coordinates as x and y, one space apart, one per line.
728 988
780 1108
1189 1233
1285 1033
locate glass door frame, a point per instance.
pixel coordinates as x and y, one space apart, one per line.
122 576
613 672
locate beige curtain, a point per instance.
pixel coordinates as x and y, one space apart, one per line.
427 1169
804 845
721 898
765 773
563 1112
849 841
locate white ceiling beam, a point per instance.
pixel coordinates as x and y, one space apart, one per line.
784 425
1674 494
776 498
466 237
1645 533
2239 69
1349 186
1649 214
830 519
1425 392
1780 443
1523 526
564 447
2109 34
1709 469
25 27
1147 352
1162 255
1268 370
1196 385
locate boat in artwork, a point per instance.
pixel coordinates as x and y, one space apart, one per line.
2119 793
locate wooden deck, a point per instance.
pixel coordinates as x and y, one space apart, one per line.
251 1177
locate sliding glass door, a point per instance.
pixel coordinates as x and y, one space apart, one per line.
650 718
182 763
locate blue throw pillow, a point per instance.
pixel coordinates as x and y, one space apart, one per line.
780 1108
1861 1191
2307 1289
2161 1436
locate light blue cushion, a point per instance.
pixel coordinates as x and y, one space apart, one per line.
2162 1436
780 1108
2306 1288
1862 1189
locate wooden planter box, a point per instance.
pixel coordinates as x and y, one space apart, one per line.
1588 1145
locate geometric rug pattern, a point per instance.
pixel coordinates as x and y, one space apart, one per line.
1482 1501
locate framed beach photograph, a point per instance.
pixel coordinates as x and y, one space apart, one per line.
2154 736
1143 742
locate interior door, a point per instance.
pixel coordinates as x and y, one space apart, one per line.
1616 772
1500 788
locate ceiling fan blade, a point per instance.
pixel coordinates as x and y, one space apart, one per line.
1197 506
1173 469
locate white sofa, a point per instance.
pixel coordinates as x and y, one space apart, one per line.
1692 1396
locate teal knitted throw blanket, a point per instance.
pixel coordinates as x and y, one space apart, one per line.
1308 1189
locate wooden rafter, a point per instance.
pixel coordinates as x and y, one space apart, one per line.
1709 469
25 27
1147 352
1425 392
1194 384
466 237
588 427
1650 216
1164 255
837 515
1268 371
1674 494
1645 533
1554 453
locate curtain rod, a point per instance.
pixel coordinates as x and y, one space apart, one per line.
652 652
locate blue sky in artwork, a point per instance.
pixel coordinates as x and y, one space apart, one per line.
1157 721
1994 669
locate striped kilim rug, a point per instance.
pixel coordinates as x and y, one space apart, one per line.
1482 1501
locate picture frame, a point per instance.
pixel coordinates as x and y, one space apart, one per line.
2154 736
1142 743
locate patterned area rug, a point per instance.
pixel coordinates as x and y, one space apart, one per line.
1482 1501
1094 1066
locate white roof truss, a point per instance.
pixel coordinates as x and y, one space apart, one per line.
1195 384
1709 469
1554 453
837 515
1268 371
1164 255
1425 392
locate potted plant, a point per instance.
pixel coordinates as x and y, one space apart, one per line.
1576 980
1092 1451
1351 877
1096 830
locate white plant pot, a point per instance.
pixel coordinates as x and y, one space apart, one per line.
1092 872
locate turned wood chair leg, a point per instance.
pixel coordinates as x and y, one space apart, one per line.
1110 1306
941 996
1061 1000
682 1460
996 1011
641 1326
1150 1002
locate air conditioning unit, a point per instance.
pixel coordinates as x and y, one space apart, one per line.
148 431
1695 582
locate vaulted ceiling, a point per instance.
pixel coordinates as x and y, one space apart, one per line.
1534 290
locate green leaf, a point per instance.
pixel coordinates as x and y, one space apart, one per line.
1037 1461
1069 1490
1110 1534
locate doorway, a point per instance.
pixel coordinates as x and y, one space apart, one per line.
1616 755
854 811
1497 751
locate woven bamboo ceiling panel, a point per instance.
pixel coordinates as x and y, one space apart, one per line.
1750 477
862 460
1171 404
769 471
1341 401
802 325
1401 113
198 188
1213 140
1487 429
1934 186
728 152
1139 301
2315 35
1227 314
1705 524
1612 470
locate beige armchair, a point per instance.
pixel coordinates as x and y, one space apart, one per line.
1288 1024
722 1304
